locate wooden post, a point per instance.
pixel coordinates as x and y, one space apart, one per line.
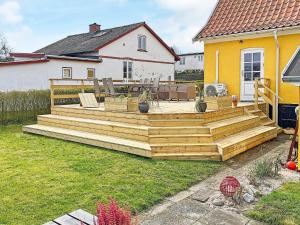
256 93
82 88
51 93
299 133
274 109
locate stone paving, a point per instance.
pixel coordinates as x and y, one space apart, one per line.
190 207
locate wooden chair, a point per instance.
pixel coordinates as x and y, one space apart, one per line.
111 88
154 90
186 92
106 88
97 89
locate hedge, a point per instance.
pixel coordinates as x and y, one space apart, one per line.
23 106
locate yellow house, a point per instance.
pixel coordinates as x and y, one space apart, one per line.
245 40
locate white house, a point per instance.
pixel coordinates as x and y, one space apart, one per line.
129 52
190 61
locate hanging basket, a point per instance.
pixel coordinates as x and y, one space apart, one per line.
229 186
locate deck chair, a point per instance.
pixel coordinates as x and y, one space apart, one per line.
111 88
106 88
88 100
97 88
155 90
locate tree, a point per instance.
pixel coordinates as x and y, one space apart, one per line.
4 50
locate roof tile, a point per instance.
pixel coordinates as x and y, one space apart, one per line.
240 16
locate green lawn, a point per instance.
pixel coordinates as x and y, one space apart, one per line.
43 178
280 207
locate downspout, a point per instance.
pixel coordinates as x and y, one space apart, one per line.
277 73
217 66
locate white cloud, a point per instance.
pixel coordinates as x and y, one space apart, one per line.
188 17
10 11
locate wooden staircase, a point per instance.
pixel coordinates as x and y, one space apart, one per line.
217 135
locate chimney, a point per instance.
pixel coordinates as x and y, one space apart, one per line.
95 27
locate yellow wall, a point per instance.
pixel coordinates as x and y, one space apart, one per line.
229 63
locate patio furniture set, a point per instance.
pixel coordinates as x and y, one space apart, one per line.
157 90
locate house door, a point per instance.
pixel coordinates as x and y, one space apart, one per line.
252 67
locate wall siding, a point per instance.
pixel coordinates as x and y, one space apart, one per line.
229 63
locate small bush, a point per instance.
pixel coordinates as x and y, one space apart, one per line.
112 214
262 169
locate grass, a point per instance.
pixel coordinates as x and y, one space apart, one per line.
282 207
43 178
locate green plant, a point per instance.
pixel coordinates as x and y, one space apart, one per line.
145 96
262 169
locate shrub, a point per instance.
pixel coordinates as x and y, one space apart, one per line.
262 169
22 106
112 214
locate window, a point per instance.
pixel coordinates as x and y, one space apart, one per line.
182 61
67 72
127 70
142 42
200 58
91 73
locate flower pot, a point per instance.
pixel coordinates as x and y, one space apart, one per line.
201 106
234 101
144 107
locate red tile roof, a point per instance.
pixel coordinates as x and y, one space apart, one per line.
240 16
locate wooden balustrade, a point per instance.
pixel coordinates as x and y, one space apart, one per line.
57 86
266 94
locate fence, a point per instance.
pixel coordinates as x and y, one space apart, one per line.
20 107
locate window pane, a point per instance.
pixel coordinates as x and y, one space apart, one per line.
91 73
144 43
139 42
248 57
257 57
130 70
67 73
248 76
256 66
248 66
125 70
256 75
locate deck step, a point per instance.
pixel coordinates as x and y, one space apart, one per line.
179 130
256 112
227 127
184 147
189 156
96 114
123 145
238 143
176 122
102 127
181 138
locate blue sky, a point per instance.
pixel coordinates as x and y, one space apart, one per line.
31 24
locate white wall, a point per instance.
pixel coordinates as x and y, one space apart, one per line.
127 46
191 63
36 76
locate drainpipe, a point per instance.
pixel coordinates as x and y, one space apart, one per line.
277 73
217 66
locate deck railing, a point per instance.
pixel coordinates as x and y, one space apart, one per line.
263 90
62 89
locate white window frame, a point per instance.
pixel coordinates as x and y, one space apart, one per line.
127 70
142 43
64 69
94 73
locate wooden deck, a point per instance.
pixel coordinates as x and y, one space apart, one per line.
171 131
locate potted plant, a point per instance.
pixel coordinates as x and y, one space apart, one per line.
201 105
144 99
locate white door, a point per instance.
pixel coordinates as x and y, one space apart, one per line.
252 66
